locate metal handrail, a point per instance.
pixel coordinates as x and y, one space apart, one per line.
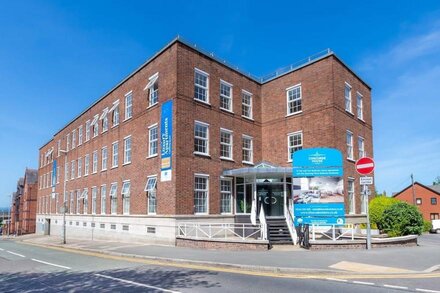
289 221
226 231
263 222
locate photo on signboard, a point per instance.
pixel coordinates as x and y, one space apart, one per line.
318 190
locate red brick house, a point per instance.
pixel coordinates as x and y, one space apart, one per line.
232 134
426 198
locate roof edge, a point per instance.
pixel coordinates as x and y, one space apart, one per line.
418 183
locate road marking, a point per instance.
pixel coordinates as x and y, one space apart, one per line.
432 269
1 249
233 270
337 280
366 268
136 283
363 283
17 254
396 287
427 290
50 264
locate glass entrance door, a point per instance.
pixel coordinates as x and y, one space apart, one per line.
271 196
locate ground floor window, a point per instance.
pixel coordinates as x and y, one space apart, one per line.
226 196
243 196
150 188
71 207
113 198
350 196
78 201
94 195
201 191
85 197
434 216
126 197
103 198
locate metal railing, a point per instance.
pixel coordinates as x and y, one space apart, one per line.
337 232
289 221
221 231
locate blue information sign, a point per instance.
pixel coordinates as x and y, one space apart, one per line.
318 187
166 139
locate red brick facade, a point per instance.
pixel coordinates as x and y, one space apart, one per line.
323 121
426 199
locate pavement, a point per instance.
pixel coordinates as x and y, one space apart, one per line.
425 258
42 264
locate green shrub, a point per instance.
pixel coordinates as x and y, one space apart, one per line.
402 219
377 206
427 225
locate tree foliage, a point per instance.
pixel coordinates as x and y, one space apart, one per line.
436 181
402 219
377 207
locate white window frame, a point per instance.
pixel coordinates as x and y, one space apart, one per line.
104 156
229 145
58 148
250 105
224 192
73 139
103 199
348 101
153 142
205 88
223 96
95 161
153 95
127 150
360 106
94 199
79 172
289 147
251 149
115 154
87 130
85 198
151 189
78 201
204 176
128 105
205 139
86 164
361 147
66 174
115 116
80 135
125 197
292 101
114 198
68 142
72 170
104 118
349 144
350 193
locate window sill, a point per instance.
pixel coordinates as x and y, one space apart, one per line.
113 167
227 110
103 170
349 112
126 119
113 126
227 159
127 163
201 214
94 172
104 131
293 114
201 154
203 102
152 156
152 214
151 106
247 163
248 118
351 160
361 119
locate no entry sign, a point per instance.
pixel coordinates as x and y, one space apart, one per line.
365 166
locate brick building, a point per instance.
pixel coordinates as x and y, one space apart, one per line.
24 204
232 134
426 198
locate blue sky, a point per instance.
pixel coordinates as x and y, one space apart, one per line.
58 57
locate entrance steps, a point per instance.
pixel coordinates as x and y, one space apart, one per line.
278 232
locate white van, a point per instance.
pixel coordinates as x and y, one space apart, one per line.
435 226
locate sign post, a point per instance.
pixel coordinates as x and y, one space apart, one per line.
365 166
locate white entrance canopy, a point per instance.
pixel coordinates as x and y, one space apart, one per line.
261 169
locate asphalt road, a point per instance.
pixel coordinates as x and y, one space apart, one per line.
25 268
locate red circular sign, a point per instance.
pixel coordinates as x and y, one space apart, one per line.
365 166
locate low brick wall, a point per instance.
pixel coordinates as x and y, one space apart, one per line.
221 244
404 241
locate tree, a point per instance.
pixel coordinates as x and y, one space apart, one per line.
436 181
402 219
377 207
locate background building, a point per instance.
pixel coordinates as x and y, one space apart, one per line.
232 135
426 198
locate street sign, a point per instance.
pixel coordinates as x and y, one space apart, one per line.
366 180
365 166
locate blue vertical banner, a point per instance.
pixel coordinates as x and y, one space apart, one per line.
166 140
318 192
54 173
